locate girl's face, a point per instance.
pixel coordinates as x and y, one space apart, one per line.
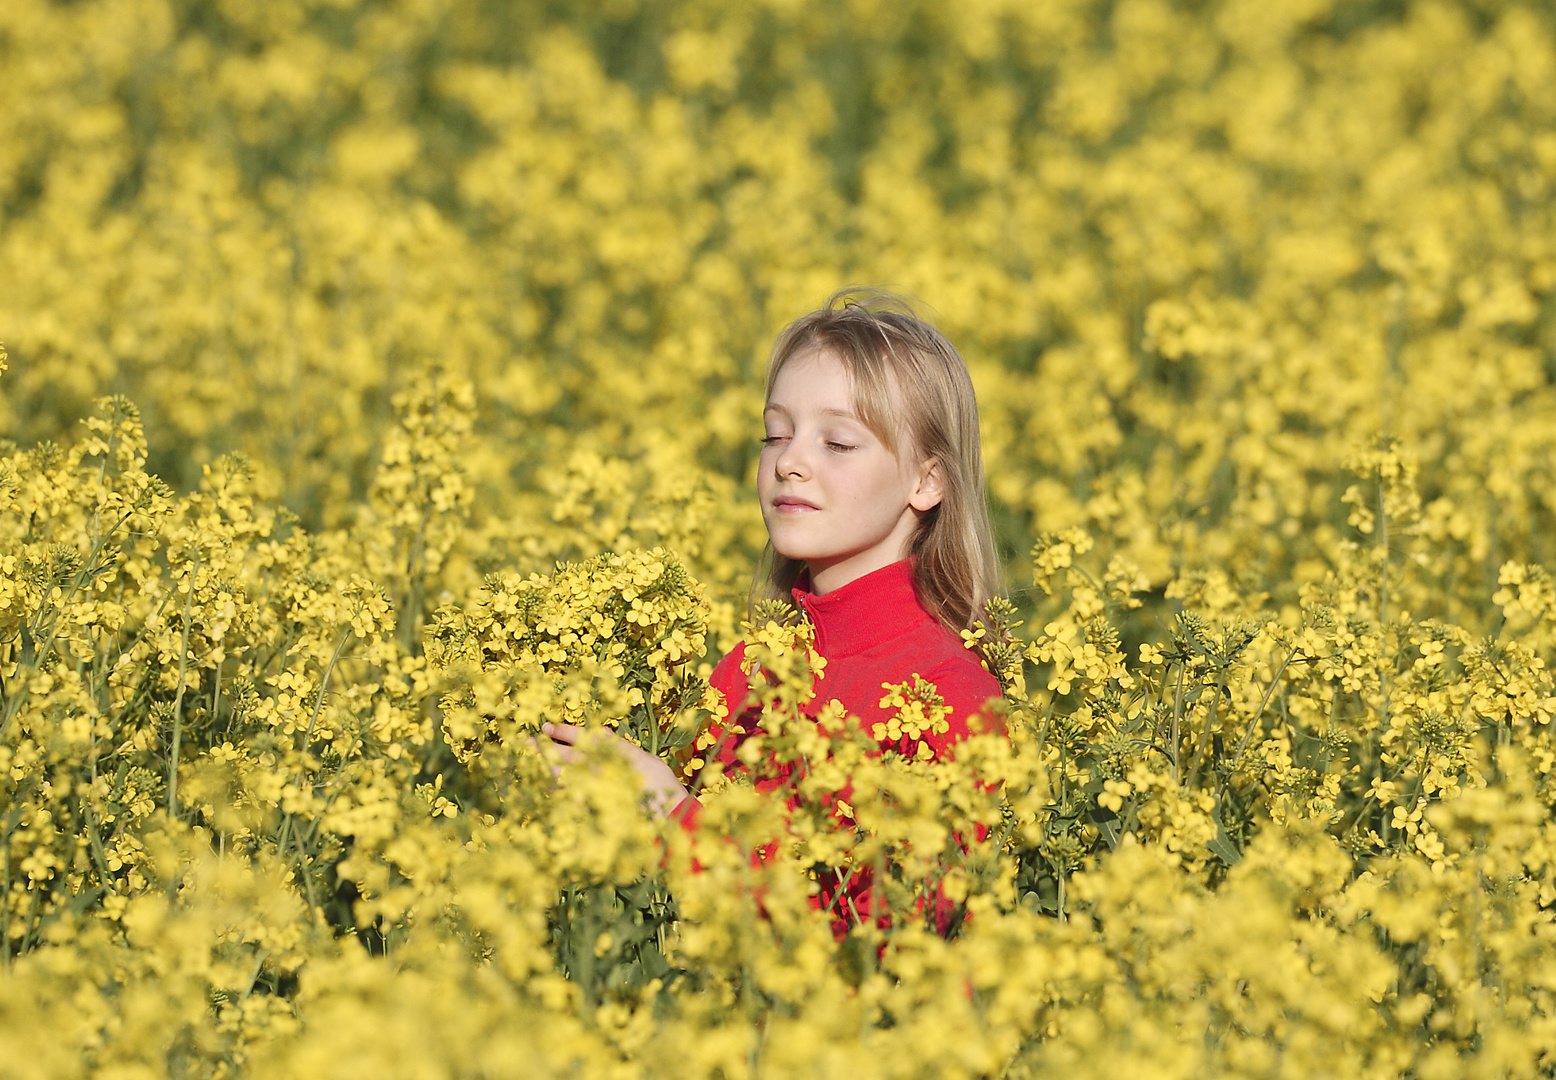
833 495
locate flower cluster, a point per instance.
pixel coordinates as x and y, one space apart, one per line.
636 619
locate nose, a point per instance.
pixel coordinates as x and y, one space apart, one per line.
791 462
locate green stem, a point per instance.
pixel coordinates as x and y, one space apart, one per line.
302 870
324 683
178 701
1204 736
5 900
1383 605
1257 723
1177 720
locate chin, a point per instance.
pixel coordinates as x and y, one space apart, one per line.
789 545
798 552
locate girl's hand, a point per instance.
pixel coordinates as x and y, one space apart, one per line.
664 790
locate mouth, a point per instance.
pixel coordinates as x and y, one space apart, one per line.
791 504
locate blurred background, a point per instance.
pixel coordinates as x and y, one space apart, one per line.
1196 253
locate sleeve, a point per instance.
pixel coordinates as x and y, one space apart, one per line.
967 690
730 681
686 813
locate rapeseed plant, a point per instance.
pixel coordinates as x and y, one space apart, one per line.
431 334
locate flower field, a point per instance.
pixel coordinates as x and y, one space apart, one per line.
382 379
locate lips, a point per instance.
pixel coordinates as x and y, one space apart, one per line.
793 504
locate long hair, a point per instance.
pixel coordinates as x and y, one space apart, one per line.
911 389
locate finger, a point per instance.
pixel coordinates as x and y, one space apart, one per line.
549 747
562 733
565 755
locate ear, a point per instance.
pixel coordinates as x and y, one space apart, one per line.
931 486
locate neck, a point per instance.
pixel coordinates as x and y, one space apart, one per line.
829 574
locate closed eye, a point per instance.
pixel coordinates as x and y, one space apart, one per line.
840 447
770 440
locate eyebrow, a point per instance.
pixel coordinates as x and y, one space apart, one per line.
844 413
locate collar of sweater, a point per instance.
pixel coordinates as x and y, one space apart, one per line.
868 611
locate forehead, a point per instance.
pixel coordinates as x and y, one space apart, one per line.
821 379
816 379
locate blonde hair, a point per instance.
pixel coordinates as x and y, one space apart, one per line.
912 390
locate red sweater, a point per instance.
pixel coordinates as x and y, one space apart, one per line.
871 632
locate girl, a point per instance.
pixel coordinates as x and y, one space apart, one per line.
871 484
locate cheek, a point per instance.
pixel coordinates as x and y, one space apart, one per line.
873 487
